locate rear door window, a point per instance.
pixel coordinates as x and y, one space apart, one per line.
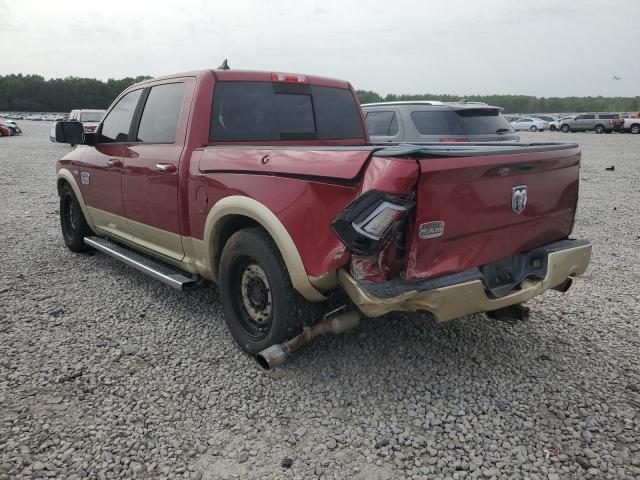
265 111
433 123
382 123
608 116
159 121
116 125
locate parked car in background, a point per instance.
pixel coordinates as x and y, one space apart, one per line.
553 121
530 123
631 125
267 183
595 122
435 121
555 125
12 126
90 119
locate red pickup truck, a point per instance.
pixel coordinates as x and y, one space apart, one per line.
266 184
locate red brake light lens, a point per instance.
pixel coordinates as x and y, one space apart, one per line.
288 78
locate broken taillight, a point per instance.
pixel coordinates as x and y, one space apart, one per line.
365 225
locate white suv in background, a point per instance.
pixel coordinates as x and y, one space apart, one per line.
90 119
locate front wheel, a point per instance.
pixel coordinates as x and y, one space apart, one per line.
553 128
261 306
533 128
74 225
565 128
635 129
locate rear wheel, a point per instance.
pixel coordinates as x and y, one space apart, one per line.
635 128
72 221
565 128
598 129
533 128
260 304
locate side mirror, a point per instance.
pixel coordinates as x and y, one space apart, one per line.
69 132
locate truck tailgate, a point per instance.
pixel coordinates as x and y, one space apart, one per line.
473 197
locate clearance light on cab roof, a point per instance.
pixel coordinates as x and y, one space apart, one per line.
288 78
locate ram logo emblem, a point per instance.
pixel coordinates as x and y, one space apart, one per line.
519 198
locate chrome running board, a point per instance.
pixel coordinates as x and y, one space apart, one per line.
154 268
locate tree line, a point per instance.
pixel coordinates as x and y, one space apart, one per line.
32 93
523 103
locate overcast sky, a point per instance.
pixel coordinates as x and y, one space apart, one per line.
541 47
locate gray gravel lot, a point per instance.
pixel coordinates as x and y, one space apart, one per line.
105 373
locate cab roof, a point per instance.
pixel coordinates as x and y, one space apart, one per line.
254 76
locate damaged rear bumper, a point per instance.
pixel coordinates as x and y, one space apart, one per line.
464 293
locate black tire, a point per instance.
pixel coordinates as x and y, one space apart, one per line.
74 225
553 128
565 128
599 129
635 128
533 128
260 304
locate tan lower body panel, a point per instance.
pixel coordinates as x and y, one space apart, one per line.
470 297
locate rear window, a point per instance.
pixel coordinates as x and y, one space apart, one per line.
475 121
608 115
265 111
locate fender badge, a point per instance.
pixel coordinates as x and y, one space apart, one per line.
85 178
431 230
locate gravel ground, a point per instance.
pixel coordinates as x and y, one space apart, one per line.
106 373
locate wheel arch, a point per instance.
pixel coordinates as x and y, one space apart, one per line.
236 212
65 177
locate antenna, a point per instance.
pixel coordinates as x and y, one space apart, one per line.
224 66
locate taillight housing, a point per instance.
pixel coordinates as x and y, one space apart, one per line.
365 225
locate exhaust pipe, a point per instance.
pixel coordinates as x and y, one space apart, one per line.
335 322
510 313
564 286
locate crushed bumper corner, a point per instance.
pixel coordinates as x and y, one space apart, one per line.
468 297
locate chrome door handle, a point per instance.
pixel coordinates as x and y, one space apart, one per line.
165 167
113 162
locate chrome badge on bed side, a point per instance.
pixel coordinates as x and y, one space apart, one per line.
519 198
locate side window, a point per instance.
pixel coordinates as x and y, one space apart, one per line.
159 122
115 127
580 117
382 123
588 117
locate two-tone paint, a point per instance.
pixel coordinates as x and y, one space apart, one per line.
183 212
